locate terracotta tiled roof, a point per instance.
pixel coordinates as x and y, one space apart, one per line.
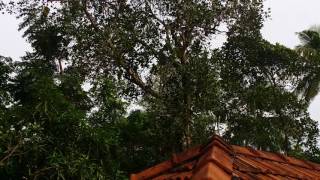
221 161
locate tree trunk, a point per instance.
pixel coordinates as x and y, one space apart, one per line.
187 139
187 114
60 66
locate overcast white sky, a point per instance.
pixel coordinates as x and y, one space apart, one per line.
287 18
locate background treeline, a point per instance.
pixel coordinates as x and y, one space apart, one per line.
64 106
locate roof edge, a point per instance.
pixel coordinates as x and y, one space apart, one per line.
180 158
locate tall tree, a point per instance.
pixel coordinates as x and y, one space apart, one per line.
161 52
258 80
143 43
310 50
45 130
6 68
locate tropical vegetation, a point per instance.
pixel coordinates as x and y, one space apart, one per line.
65 106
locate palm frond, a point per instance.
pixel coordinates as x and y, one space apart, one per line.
313 89
309 86
309 48
304 37
315 28
306 52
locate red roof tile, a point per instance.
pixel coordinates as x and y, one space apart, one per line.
218 160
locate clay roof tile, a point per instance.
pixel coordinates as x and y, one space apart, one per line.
217 160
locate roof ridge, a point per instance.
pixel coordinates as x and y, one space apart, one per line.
216 155
227 160
218 141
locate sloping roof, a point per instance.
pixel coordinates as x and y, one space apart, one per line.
218 160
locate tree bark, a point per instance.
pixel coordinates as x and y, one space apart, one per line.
187 114
60 66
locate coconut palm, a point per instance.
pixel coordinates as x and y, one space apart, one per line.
309 87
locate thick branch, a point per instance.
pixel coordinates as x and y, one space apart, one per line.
89 16
11 153
134 76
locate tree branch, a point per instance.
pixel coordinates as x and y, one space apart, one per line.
134 76
11 152
89 16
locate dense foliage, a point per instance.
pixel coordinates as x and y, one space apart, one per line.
310 49
64 107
